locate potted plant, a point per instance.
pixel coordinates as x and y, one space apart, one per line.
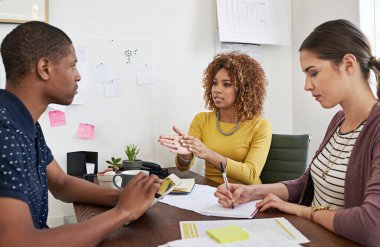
105 177
115 164
132 163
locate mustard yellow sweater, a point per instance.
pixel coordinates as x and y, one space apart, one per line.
246 150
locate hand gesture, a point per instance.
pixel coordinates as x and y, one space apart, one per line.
138 195
195 146
238 194
173 142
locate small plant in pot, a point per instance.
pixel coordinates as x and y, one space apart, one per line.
132 163
105 177
115 164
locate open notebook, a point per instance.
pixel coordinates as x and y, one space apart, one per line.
168 185
186 186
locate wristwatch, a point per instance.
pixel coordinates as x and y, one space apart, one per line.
315 209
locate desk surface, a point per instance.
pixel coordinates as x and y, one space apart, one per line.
160 224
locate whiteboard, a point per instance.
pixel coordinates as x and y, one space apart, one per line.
254 21
118 120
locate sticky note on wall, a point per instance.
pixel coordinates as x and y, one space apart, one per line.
228 234
86 131
57 118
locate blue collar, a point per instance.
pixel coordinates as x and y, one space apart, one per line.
18 112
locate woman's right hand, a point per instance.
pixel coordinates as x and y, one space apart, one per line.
173 142
238 194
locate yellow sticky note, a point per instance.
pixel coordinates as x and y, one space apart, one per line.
228 234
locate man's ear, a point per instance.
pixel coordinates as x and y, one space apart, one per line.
44 68
349 64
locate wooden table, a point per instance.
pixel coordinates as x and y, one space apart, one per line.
160 224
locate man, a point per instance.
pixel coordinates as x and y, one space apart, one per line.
40 65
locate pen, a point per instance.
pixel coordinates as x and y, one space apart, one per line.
225 180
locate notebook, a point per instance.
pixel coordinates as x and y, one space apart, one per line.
168 185
186 186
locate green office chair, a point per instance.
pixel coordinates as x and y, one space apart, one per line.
287 158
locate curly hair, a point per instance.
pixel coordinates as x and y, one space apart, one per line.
29 42
249 79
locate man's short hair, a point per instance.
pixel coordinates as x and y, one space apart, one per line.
28 43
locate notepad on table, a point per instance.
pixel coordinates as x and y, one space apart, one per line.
186 186
228 234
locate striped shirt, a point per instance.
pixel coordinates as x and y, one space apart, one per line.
329 191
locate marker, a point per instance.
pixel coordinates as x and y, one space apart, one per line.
225 180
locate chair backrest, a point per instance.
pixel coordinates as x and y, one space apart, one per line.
287 158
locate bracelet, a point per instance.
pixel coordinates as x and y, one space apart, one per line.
315 209
185 160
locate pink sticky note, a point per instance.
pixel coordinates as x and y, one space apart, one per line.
57 118
86 131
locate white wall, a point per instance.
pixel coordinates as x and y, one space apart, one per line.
184 36
308 115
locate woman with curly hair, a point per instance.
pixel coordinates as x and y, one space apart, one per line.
232 133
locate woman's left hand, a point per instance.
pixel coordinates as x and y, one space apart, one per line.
196 147
272 201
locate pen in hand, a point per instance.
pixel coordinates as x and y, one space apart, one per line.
225 180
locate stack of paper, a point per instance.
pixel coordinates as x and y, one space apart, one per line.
278 226
203 201
260 238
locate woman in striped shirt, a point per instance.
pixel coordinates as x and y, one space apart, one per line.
341 188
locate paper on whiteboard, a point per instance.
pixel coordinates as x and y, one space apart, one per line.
113 88
254 21
101 73
145 75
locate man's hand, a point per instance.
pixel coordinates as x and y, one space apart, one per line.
138 195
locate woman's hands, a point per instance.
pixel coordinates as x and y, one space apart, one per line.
195 146
173 142
273 201
238 194
181 143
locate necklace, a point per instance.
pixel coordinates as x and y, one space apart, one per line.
220 129
329 162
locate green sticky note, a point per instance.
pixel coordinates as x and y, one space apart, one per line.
228 234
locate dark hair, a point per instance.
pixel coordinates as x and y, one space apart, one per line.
332 40
29 42
249 79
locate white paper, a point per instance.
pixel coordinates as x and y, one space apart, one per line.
279 226
101 73
256 238
90 168
203 201
113 88
82 63
145 75
254 21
